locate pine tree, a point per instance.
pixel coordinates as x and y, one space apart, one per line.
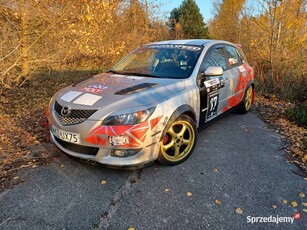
188 18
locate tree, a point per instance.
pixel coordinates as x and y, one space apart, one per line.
70 34
175 25
24 39
278 42
226 23
24 49
273 35
187 21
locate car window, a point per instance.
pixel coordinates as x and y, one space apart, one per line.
233 57
162 61
215 57
241 55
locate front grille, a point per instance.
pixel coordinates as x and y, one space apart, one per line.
78 148
76 116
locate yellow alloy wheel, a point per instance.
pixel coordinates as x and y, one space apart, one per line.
248 98
178 142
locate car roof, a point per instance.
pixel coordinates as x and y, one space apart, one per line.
195 42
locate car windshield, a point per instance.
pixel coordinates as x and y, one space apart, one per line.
161 61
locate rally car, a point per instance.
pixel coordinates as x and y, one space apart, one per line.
149 106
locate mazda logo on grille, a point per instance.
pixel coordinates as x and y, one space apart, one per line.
65 111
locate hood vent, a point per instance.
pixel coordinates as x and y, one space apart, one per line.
135 89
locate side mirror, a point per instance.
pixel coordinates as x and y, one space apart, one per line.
214 71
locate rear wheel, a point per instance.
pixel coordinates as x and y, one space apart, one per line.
247 100
178 142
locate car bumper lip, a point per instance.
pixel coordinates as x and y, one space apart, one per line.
103 156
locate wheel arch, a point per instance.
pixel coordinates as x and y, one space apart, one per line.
183 109
252 84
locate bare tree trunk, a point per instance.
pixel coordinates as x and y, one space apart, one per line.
272 10
134 18
280 23
24 39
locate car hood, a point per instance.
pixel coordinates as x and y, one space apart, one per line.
114 92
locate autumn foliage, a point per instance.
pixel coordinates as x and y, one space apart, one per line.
40 35
48 35
274 37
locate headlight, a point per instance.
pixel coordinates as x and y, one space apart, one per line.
129 118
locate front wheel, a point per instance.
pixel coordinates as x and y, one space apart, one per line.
178 142
247 100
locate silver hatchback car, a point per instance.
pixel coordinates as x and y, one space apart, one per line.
150 105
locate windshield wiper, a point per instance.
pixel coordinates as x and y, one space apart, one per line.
141 74
115 72
133 73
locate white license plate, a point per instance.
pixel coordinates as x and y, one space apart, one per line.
66 136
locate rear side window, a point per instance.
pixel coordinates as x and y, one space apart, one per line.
215 58
241 55
233 57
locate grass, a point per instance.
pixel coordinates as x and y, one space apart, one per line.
298 114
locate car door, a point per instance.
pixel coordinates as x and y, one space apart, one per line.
214 90
237 75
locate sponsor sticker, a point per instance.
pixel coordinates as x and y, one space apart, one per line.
212 82
243 71
171 46
94 88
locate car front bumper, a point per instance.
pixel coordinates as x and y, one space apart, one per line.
98 142
103 155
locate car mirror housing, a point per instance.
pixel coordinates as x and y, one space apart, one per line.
214 71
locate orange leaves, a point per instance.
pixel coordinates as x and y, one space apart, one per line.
89 17
273 110
239 211
273 40
301 195
189 194
228 11
217 202
79 34
294 204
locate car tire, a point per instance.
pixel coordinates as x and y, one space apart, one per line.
178 141
247 100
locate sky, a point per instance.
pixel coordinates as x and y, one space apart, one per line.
205 6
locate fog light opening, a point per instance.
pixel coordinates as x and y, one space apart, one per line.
124 152
120 153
